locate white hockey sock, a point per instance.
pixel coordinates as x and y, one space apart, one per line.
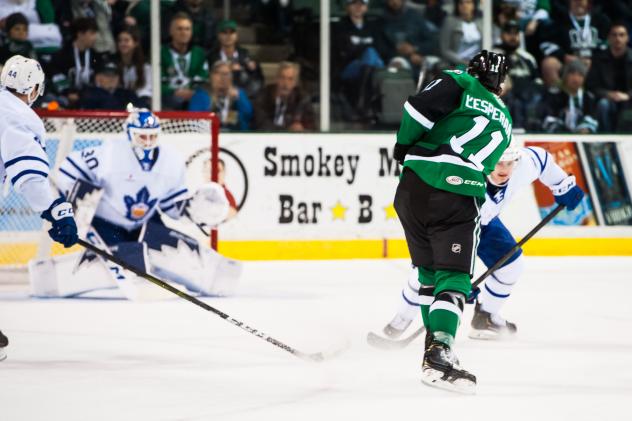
410 300
497 288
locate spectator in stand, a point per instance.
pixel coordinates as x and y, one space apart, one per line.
134 71
106 94
610 78
434 13
203 21
72 67
184 66
358 48
461 34
572 109
44 33
523 71
16 42
102 13
283 106
229 102
247 73
408 34
575 35
551 71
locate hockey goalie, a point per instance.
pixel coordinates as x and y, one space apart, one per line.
122 190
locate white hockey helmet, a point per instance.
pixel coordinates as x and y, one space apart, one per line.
510 154
143 128
23 75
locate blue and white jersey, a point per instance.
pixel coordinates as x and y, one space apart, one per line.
23 152
134 187
535 163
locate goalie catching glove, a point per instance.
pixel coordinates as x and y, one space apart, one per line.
208 207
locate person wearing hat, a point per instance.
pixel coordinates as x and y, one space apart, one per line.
106 93
523 71
16 26
573 109
247 73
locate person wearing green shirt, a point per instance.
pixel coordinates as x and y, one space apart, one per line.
450 138
183 66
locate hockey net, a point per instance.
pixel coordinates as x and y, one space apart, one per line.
23 233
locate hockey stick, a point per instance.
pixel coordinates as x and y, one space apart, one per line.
381 342
318 356
507 256
385 343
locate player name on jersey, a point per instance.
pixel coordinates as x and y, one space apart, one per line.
490 110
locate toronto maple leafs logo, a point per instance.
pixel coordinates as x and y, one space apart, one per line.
138 207
499 196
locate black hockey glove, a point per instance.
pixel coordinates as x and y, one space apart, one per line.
61 215
400 151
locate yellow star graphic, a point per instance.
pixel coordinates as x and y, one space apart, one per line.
338 211
389 210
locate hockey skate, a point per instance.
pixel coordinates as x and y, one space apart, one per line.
487 327
396 327
4 342
441 370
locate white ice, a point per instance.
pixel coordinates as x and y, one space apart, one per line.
119 360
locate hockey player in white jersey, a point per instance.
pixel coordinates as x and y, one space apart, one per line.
517 169
142 179
24 163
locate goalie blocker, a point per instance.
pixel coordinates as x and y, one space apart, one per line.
167 253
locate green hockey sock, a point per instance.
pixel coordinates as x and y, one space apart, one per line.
426 279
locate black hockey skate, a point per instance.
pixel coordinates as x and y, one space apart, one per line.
4 342
484 326
441 369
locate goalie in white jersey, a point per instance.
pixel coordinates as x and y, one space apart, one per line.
517 169
23 159
140 179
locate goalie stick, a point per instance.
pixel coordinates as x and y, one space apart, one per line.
317 356
385 343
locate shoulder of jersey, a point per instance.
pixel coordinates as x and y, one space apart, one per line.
172 152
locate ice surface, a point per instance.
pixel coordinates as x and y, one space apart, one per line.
94 359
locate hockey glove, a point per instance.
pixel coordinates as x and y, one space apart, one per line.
567 193
64 229
400 152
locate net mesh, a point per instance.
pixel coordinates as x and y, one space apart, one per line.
22 233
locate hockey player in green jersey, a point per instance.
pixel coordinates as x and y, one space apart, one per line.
451 136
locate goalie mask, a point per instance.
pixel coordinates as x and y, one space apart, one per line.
143 129
490 69
23 76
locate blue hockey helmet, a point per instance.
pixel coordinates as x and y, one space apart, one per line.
143 128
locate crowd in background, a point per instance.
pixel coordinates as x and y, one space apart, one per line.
571 65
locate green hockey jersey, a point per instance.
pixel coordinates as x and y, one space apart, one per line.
454 132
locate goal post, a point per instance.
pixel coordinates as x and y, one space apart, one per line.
23 233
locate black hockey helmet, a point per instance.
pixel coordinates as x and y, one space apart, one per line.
490 69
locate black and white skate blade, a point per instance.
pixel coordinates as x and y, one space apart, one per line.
383 343
438 379
3 355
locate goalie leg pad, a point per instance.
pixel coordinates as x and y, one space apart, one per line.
69 275
179 258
